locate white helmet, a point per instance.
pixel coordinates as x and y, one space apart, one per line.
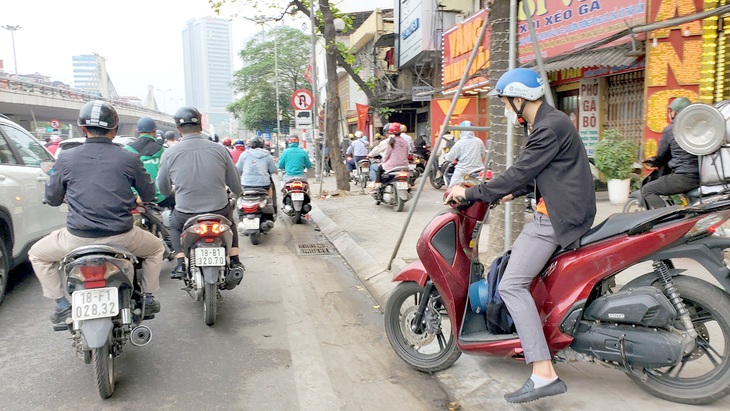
520 82
358 134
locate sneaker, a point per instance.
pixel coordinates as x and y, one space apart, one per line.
529 393
60 317
151 307
178 273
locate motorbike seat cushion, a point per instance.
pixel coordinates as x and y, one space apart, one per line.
100 249
254 191
623 223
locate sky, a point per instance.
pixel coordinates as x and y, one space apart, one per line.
140 39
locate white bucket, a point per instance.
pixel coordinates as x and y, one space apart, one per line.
618 191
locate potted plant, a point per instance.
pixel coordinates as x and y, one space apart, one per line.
615 156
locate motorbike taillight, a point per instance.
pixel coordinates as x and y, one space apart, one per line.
402 174
93 275
209 228
708 224
250 208
488 175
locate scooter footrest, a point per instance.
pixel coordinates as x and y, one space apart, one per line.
60 327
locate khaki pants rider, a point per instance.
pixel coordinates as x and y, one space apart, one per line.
46 254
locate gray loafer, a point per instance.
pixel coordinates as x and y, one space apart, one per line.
529 393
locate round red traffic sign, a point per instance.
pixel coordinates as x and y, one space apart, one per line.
54 123
302 99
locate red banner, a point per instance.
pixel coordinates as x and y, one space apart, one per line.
308 72
562 29
363 119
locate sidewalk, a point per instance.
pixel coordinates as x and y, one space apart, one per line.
365 235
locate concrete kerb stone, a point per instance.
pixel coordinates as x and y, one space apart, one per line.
377 280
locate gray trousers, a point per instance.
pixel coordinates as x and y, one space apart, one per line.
530 252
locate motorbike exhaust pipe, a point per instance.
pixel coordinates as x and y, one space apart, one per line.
233 277
140 336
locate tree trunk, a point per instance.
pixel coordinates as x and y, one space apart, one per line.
498 65
374 103
333 98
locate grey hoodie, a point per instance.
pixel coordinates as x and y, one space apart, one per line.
255 167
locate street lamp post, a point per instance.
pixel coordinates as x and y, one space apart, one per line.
164 98
263 20
13 29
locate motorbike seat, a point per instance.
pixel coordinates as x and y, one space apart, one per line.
254 192
206 217
115 251
622 223
398 169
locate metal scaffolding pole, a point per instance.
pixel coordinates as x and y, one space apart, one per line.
444 126
509 153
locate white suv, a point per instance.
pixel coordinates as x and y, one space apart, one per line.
24 219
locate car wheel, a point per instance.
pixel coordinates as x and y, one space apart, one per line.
4 268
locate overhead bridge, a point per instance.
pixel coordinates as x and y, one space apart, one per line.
26 102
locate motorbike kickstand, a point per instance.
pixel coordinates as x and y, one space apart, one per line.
640 374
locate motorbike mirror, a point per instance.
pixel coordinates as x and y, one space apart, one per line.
47 166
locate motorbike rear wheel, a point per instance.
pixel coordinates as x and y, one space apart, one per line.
427 351
103 362
297 218
703 376
255 238
399 204
210 303
632 205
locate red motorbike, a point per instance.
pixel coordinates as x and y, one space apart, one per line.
667 330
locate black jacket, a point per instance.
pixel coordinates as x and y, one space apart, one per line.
555 164
671 154
96 179
146 146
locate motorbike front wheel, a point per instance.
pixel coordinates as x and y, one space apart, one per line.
436 181
210 303
703 376
431 347
103 362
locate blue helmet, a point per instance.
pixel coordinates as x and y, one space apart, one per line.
239 142
466 123
479 296
520 82
146 125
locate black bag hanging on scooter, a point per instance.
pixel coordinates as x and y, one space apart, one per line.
499 320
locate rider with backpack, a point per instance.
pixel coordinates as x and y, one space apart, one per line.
149 151
555 165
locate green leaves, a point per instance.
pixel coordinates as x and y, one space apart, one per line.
615 155
256 81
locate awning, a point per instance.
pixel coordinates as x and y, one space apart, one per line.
608 57
386 40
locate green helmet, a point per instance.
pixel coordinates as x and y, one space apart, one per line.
679 103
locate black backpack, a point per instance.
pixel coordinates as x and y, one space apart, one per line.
499 320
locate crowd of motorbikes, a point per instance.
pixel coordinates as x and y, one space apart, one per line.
667 330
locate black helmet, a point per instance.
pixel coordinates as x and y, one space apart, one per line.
170 135
146 125
98 114
188 115
257 142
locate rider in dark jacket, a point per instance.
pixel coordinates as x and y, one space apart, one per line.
685 167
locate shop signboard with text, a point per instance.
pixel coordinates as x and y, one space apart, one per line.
457 45
674 65
588 122
562 26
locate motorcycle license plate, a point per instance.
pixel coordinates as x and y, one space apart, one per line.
297 196
251 223
94 303
401 185
210 257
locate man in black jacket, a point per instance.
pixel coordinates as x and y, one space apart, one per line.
554 163
685 167
96 181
